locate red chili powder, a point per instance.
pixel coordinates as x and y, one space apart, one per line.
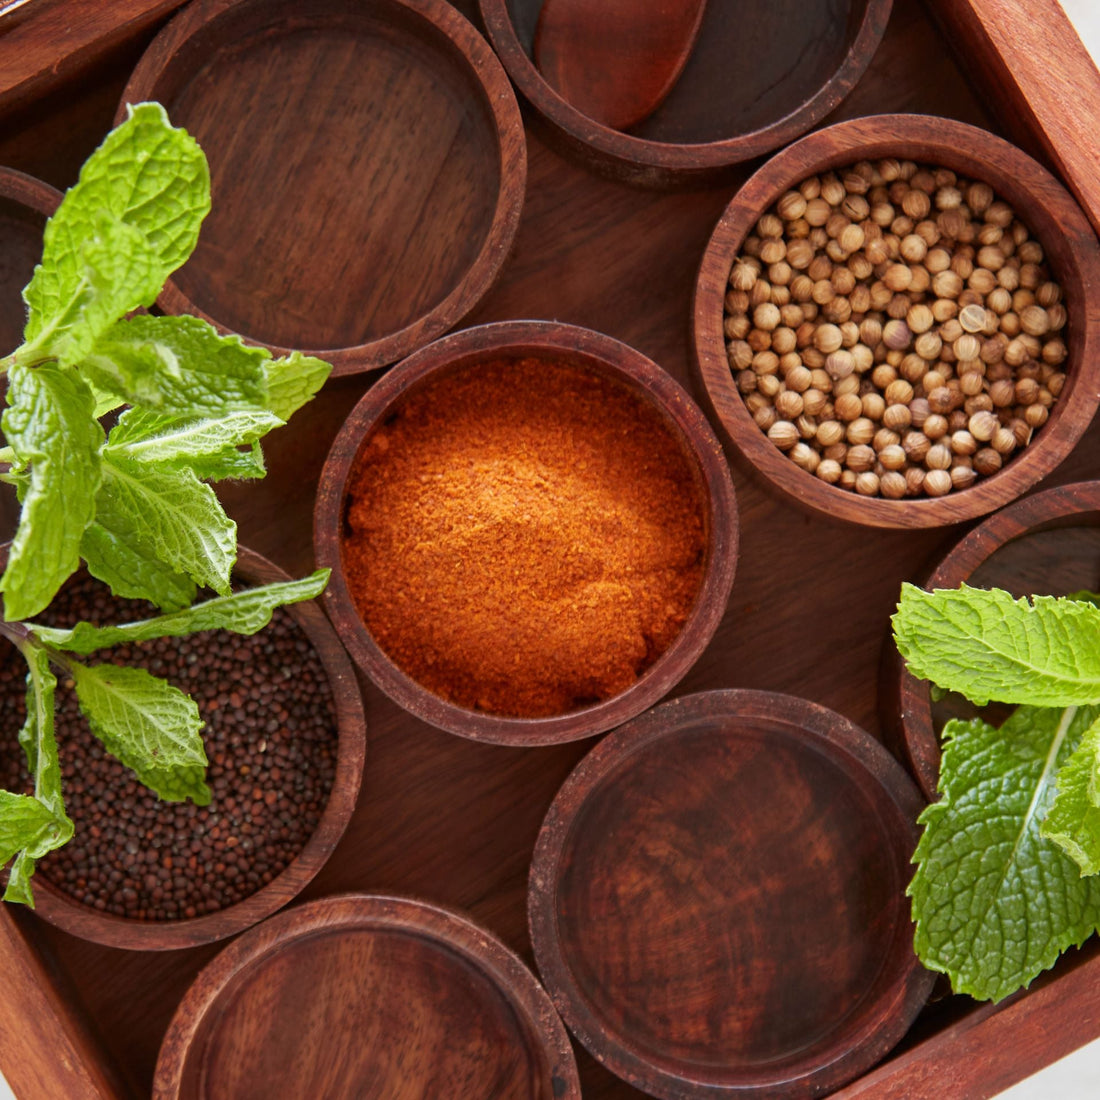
526 537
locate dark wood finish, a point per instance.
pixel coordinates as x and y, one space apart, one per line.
761 74
25 204
361 995
456 821
717 899
1039 79
615 62
996 1045
40 1015
554 343
1052 215
1046 545
377 143
58 908
51 41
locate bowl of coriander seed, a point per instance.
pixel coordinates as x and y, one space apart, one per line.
896 322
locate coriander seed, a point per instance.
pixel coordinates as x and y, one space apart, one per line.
895 321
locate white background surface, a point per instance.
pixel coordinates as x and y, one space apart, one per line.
1076 1077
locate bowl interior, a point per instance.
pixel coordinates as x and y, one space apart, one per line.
399 997
752 65
355 180
366 996
726 900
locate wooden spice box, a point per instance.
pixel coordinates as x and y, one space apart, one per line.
455 821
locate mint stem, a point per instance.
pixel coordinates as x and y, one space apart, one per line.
23 638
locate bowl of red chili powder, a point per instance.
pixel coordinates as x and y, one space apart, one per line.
532 531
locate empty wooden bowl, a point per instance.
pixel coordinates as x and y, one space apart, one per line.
367 162
759 74
717 899
369 996
664 401
1041 202
1045 545
62 910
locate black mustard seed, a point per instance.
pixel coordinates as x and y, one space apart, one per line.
270 737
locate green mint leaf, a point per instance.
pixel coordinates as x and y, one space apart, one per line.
986 645
24 822
40 746
168 516
178 365
19 881
131 219
293 381
177 784
119 273
141 719
133 571
151 175
1085 597
37 735
231 464
207 445
1073 821
104 402
244 612
49 425
995 902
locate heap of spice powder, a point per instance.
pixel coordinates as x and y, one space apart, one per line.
525 537
895 330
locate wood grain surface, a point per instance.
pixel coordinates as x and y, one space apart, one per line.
368 180
1039 79
760 74
370 996
53 41
617 61
717 899
456 821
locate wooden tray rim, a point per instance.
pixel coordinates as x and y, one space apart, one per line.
58 1050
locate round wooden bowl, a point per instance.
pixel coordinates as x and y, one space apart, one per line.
25 204
359 995
1052 215
60 909
555 343
757 77
1046 545
367 163
717 899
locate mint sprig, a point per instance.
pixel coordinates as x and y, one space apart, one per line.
1007 860
132 504
1044 652
995 902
